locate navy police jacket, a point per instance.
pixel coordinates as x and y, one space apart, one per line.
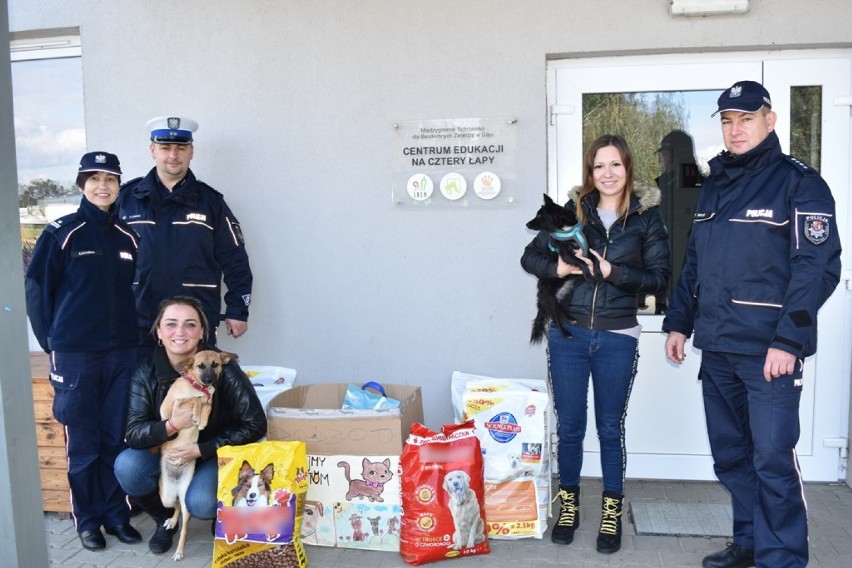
189 241
763 256
637 247
79 283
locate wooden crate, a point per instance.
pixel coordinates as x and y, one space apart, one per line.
55 492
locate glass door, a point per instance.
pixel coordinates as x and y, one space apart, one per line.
662 105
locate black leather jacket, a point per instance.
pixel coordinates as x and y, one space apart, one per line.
637 247
237 417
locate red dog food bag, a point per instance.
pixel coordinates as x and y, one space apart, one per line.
443 495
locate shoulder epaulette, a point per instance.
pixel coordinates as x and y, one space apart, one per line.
204 185
134 181
64 224
799 165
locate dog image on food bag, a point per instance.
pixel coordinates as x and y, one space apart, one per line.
253 488
195 386
464 506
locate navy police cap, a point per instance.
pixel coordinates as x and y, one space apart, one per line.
172 129
100 162
744 96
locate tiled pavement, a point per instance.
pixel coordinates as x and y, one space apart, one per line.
829 507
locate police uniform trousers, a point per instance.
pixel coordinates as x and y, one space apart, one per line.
753 427
90 400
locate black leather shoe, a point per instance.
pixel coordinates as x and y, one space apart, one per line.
734 556
93 540
125 533
162 540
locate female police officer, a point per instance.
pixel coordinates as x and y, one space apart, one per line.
81 306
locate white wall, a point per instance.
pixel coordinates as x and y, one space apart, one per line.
296 100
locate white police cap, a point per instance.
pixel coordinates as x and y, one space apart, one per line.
172 129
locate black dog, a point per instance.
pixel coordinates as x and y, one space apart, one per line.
566 238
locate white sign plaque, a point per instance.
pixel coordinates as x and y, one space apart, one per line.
455 155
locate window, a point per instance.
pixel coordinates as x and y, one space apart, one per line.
50 136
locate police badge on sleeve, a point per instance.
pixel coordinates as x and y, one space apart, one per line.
816 228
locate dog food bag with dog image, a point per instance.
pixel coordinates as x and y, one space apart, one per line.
261 500
442 495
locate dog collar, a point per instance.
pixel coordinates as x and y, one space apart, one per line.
574 233
373 483
196 385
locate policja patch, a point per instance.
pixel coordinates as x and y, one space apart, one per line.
816 228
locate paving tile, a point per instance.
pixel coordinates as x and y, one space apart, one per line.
829 506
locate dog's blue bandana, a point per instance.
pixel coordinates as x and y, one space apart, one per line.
575 234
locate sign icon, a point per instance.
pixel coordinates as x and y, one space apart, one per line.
453 186
487 185
420 187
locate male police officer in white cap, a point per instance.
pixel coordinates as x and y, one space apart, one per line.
190 239
763 256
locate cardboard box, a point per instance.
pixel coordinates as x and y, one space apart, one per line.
312 414
353 496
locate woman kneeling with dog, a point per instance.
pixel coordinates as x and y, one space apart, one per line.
630 245
237 418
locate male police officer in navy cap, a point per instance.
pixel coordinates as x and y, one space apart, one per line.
189 238
763 256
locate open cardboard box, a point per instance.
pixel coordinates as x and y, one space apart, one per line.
312 414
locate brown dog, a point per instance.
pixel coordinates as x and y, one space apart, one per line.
195 386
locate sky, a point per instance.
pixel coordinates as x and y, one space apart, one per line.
50 131
704 129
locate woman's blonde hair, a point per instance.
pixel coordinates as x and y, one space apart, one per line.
620 144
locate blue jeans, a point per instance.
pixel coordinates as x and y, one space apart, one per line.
611 360
753 427
138 472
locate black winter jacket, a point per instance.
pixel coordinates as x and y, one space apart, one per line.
637 247
237 417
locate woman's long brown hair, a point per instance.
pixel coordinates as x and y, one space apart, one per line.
588 186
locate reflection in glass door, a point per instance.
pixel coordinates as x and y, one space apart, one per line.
670 149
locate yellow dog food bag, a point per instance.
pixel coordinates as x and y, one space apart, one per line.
261 500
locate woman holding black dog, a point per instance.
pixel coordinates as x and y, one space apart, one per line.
79 299
237 418
629 245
